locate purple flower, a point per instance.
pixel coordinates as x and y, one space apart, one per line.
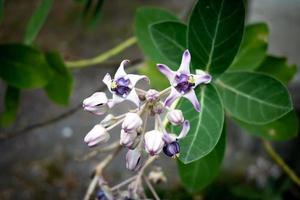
183 82
122 86
172 149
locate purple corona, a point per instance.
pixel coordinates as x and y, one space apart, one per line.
172 149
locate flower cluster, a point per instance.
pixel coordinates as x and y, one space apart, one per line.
151 103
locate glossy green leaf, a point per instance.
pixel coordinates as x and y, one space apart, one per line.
278 68
23 66
170 39
11 106
253 97
253 49
283 128
206 125
199 174
59 87
158 80
37 20
143 19
215 31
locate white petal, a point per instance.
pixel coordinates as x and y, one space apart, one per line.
107 81
133 97
121 72
201 77
191 96
174 94
185 62
185 129
169 138
134 78
164 69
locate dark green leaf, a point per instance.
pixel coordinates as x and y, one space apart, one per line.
59 87
170 39
206 125
23 66
197 175
11 105
158 81
281 129
278 68
143 19
253 48
253 97
37 20
215 31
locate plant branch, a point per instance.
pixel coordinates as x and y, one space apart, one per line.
104 56
151 188
98 172
273 154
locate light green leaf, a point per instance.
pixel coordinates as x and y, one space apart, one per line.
37 20
283 128
253 48
59 87
206 125
253 97
23 66
215 31
170 40
144 18
11 106
278 68
199 174
158 81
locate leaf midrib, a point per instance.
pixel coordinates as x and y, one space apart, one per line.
228 87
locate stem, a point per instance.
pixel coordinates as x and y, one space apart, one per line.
292 175
104 56
98 172
123 183
151 188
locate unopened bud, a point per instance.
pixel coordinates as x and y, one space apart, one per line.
127 138
132 122
97 135
154 142
175 117
97 103
133 160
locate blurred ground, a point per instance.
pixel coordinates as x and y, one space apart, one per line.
41 164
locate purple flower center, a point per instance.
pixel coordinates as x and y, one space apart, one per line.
171 149
184 83
121 86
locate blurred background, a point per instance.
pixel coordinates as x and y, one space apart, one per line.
39 160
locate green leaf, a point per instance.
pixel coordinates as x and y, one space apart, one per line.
11 105
158 81
215 31
253 48
206 125
278 68
283 128
37 20
23 66
199 174
170 39
144 18
253 97
59 87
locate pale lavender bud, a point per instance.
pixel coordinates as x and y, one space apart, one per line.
133 160
152 95
98 103
132 122
127 138
154 142
97 135
175 117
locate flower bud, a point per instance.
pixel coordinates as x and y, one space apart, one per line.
152 95
97 103
132 122
172 149
154 142
127 138
133 160
97 135
175 117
